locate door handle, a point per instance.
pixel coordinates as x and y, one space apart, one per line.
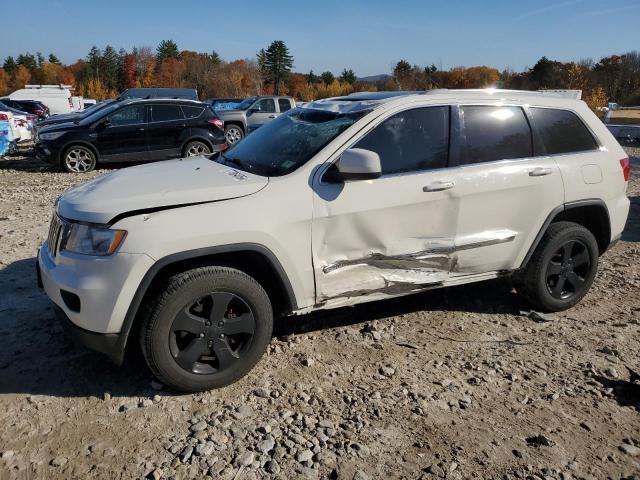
438 186
272 116
181 125
141 129
540 172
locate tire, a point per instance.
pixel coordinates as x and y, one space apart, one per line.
561 269
208 358
196 148
233 133
78 159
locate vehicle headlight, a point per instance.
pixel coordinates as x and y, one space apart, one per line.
91 239
50 136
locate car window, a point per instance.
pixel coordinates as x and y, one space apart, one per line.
191 111
166 113
131 115
495 133
562 131
413 140
284 104
266 105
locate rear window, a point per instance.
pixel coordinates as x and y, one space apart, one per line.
191 111
495 133
562 131
164 113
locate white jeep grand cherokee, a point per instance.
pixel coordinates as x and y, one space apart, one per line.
346 200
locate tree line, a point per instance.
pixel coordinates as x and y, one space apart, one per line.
103 73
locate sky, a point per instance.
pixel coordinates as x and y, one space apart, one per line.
366 36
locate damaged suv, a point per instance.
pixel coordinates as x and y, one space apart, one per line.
345 200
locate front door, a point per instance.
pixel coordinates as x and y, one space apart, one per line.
394 234
123 136
263 111
166 131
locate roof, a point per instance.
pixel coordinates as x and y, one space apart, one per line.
368 100
128 101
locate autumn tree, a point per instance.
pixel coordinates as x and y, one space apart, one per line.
171 73
5 88
595 98
348 76
129 71
275 63
21 77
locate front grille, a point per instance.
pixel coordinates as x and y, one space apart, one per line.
55 232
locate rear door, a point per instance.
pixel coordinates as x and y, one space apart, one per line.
505 188
263 111
166 131
123 136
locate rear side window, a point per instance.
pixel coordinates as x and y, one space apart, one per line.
191 111
164 113
412 140
562 131
495 133
284 104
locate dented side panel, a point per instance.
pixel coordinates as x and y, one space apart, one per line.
382 237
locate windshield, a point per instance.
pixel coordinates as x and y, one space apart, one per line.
246 103
98 114
288 142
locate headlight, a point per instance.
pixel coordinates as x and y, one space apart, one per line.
50 136
91 239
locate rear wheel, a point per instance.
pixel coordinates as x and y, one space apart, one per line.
233 134
206 329
196 148
78 159
561 269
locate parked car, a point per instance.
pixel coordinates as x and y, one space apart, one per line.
73 117
353 199
132 130
628 135
33 107
22 122
56 97
224 103
252 113
183 93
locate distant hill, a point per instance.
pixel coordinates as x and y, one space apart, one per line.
383 77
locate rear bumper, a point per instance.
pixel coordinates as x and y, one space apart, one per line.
111 344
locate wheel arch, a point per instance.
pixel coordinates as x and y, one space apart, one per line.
592 214
237 123
195 139
254 259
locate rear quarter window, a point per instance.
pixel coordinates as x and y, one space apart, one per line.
191 111
562 131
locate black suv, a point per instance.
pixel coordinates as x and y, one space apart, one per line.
132 130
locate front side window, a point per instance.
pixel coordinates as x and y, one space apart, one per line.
409 141
131 115
284 104
266 105
288 142
562 131
166 113
495 133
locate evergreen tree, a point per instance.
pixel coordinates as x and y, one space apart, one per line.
167 49
348 76
39 59
275 63
327 78
53 59
28 60
94 62
110 68
9 65
312 77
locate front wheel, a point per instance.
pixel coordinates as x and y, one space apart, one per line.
207 328
561 269
78 159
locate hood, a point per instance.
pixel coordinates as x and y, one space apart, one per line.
58 126
156 186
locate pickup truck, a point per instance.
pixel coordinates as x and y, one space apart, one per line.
251 113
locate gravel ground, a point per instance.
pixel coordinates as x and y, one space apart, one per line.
452 383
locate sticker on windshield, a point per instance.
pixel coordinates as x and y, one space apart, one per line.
237 175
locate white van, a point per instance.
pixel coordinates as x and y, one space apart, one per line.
78 103
56 97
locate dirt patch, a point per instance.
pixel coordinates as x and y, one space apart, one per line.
453 383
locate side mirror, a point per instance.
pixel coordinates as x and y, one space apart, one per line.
358 164
105 124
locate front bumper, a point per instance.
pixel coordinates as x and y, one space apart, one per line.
45 152
93 294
